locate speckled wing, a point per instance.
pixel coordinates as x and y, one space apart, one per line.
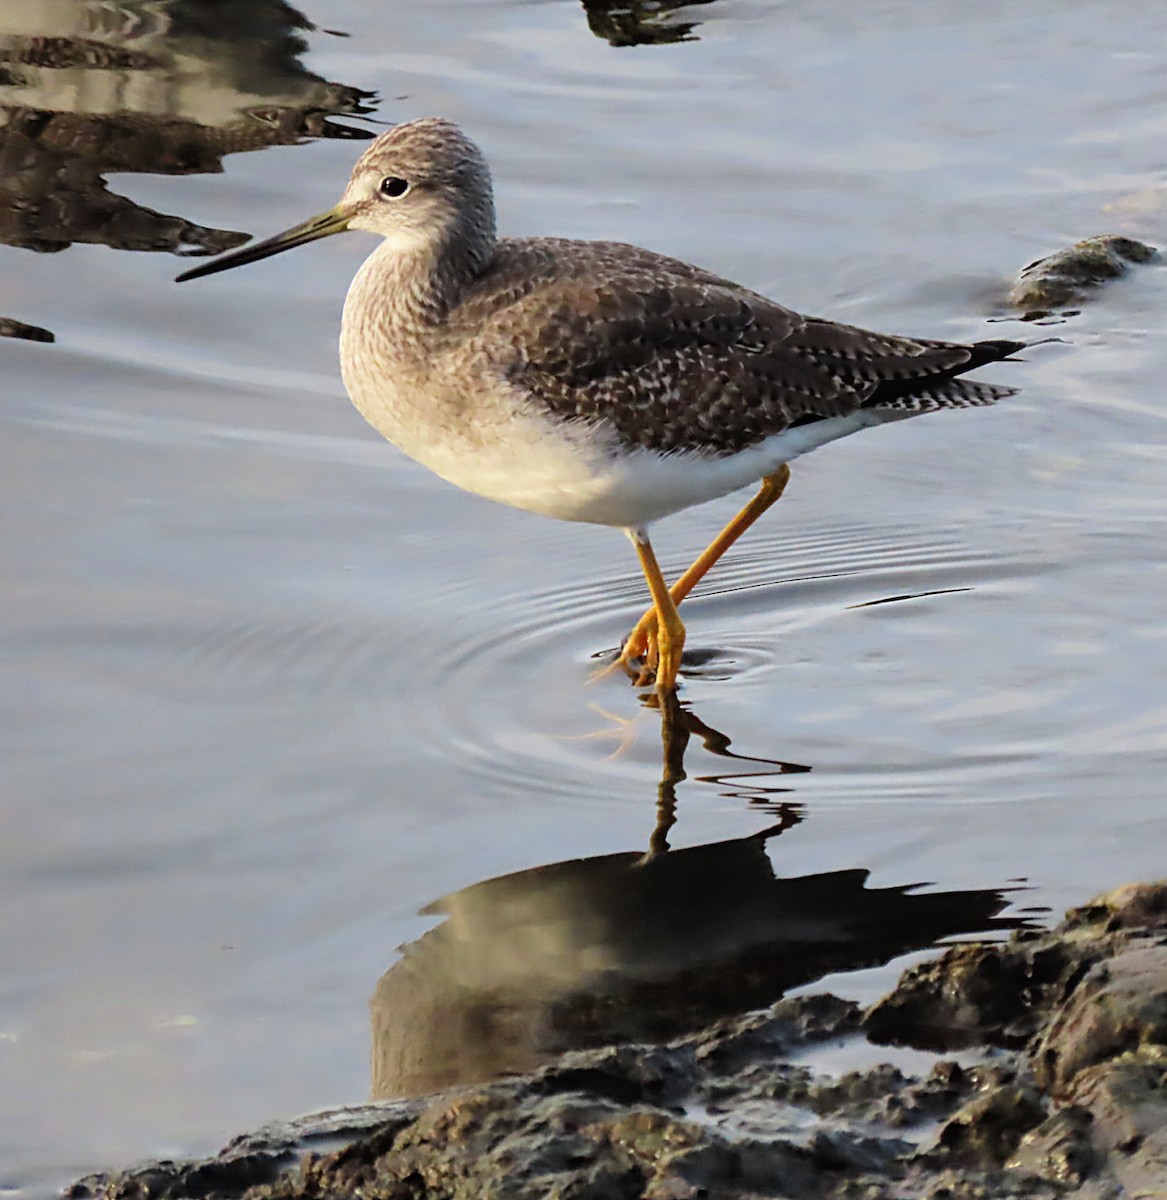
672 358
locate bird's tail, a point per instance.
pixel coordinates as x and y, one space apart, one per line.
946 393
946 389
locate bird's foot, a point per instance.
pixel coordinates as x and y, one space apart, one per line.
629 665
640 655
658 668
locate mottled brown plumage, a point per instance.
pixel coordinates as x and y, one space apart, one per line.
673 358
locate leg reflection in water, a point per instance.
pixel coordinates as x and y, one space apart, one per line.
678 724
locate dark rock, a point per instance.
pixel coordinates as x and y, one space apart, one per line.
1127 1102
247 1160
1080 1109
1001 994
622 1074
1132 906
841 1150
972 996
1059 1149
1118 1010
986 1131
776 1031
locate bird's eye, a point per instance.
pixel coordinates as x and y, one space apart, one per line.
394 187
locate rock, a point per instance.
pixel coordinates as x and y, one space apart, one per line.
1119 1010
1001 994
987 1130
1059 1149
1075 1105
1065 279
1127 1104
249 1159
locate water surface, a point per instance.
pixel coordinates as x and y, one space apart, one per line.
269 688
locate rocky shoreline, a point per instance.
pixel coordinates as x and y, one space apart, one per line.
1050 1081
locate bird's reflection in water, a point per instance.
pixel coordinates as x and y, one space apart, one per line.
633 946
678 725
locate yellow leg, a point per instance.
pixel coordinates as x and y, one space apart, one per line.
670 632
641 638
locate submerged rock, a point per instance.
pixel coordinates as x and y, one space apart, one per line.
1077 1106
1063 280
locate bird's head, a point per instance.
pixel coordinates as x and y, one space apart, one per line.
424 187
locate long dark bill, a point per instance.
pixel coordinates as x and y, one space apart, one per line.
324 225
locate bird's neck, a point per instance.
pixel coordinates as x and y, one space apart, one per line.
408 290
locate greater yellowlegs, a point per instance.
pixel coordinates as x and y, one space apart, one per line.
593 381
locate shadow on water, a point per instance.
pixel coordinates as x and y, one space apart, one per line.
638 945
640 23
168 88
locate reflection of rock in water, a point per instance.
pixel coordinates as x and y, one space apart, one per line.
624 947
159 86
640 23
30 333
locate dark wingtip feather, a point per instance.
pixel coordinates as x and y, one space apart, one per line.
944 393
942 389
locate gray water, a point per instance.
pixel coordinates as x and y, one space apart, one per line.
269 688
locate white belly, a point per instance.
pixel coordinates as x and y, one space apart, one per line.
575 472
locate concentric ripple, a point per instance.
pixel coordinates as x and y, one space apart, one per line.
500 684
744 623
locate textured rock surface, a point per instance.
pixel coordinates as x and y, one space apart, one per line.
1064 280
1075 1104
